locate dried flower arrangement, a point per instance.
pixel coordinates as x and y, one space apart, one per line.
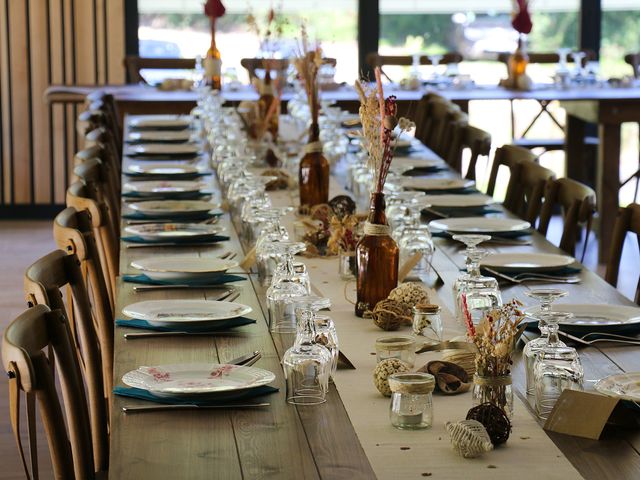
521 19
271 31
378 118
307 62
344 234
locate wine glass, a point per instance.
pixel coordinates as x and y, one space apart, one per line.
556 367
480 294
435 62
307 364
546 296
578 58
285 289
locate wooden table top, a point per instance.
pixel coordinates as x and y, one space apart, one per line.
282 441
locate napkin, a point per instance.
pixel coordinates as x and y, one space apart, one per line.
224 398
213 280
516 234
204 239
187 327
176 218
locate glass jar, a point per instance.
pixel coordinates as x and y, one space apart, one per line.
313 176
377 259
427 322
347 265
402 347
493 389
411 400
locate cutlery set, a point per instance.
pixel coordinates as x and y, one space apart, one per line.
533 277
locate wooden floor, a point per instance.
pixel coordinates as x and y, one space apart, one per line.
22 242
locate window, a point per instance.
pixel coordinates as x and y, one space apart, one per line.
178 28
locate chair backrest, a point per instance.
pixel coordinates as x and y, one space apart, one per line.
633 59
101 136
548 57
73 233
628 221
276 65
479 143
106 103
95 174
30 371
44 281
527 181
133 64
82 197
421 117
374 59
578 203
443 117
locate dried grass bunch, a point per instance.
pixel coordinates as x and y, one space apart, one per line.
495 337
269 32
344 234
379 119
307 62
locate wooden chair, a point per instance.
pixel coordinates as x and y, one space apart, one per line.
527 181
374 59
95 173
73 233
633 59
111 172
133 64
478 142
102 137
628 221
106 103
442 119
578 203
277 65
43 283
82 197
30 371
421 118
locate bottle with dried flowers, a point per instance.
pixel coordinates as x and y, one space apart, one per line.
377 254
495 337
518 62
314 167
212 63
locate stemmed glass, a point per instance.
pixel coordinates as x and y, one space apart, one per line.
578 57
435 61
546 296
285 288
556 367
481 293
307 364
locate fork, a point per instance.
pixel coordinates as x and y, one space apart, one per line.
530 277
618 339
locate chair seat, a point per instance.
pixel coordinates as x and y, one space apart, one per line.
549 143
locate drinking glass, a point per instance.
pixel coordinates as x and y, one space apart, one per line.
556 367
326 335
415 240
285 288
546 296
481 293
307 364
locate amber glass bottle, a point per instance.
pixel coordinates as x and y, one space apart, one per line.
518 62
213 62
314 171
264 103
377 257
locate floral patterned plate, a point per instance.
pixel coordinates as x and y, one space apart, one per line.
625 386
173 231
182 267
175 312
196 378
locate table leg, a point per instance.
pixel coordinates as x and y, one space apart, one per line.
573 149
608 184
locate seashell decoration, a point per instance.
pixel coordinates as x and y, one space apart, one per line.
469 438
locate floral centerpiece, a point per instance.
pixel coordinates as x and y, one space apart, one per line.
495 337
517 65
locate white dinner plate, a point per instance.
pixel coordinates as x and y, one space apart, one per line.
197 378
410 163
173 231
175 312
526 261
161 121
436 183
457 201
163 187
625 386
159 208
402 143
588 317
159 136
479 225
163 149
180 267
164 169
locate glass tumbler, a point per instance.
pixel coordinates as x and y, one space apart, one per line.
411 400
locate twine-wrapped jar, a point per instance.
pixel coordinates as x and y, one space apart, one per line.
411 400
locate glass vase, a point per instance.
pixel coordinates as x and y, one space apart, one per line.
377 258
493 389
347 265
313 176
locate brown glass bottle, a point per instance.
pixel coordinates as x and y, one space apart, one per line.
377 257
264 104
213 62
518 63
313 175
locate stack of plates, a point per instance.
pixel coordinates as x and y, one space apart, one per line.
457 201
182 268
526 261
160 122
197 380
480 225
153 136
434 184
177 208
163 188
162 170
595 318
171 232
163 150
181 313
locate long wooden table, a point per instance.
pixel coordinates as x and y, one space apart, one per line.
349 436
